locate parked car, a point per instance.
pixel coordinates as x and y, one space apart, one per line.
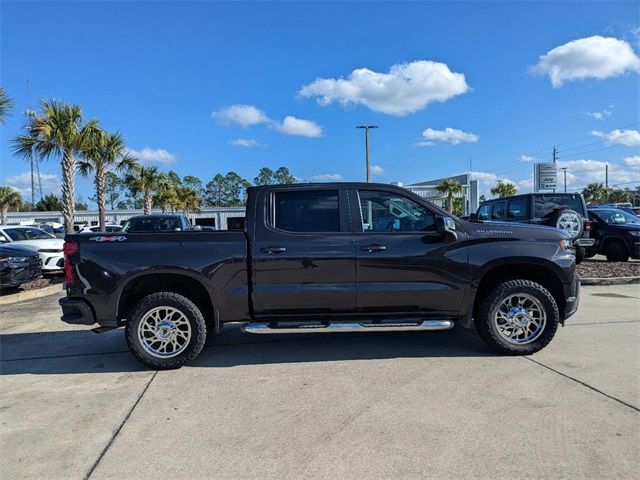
318 258
161 223
18 265
46 245
566 211
616 234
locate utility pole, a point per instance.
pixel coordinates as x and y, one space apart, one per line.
606 182
564 170
555 157
366 146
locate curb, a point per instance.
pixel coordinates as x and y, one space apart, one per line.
31 294
610 281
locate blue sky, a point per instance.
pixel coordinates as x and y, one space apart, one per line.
157 72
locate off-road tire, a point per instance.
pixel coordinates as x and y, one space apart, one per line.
191 312
616 251
580 254
488 331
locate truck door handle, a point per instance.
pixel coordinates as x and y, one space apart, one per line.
373 248
273 249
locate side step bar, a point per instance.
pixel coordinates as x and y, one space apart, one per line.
337 327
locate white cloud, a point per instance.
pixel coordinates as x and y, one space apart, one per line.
328 177
580 173
527 158
22 183
248 115
153 155
376 170
406 88
599 115
633 162
591 57
629 138
246 142
449 135
245 115
299 127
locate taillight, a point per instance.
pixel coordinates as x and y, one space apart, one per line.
70 248
587 225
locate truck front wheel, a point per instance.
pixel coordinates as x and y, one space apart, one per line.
518 317
165 331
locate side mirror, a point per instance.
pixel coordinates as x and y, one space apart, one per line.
473 217
197 228
446 225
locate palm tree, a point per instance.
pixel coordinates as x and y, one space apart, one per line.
101 153
57 130
144 180
450 188
188 199
594 193
5 105
504 189
8 198
166 197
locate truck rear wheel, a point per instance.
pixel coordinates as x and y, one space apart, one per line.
166 331
518 317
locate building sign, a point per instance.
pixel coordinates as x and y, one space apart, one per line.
545 176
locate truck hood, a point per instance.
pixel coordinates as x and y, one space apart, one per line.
515 230
48 243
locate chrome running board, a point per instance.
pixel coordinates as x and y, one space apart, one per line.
337 327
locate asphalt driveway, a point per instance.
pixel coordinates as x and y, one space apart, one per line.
74 404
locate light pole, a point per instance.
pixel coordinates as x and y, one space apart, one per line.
564 170
366 146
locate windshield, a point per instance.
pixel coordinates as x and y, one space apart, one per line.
19 234
618 217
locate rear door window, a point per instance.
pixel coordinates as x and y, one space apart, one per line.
517 209
498 211
307 211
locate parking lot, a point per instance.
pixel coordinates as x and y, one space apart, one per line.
74 404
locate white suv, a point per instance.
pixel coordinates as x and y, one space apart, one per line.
48 246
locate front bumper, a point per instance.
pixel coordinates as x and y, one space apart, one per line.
76 311
52 261
572 298
16 275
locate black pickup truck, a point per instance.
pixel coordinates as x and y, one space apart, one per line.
319 258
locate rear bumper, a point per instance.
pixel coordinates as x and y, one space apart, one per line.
76 311
584 242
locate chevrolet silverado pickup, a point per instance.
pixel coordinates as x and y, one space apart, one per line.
316 258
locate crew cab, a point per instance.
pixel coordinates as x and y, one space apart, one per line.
316 258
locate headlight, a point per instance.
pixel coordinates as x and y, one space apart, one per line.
14 259
564 244
635 233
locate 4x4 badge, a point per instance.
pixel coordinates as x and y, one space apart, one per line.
115 238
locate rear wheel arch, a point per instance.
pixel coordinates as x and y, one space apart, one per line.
179 283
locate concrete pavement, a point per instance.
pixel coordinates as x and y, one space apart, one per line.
394 405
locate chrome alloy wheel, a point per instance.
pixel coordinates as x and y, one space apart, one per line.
520 318
570 222
164 332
